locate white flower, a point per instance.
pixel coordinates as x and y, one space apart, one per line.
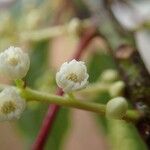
14 63
11 104
116 108
133 14
72 76
142 40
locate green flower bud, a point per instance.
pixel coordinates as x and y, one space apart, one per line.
109 75
116 108
74 26
117 89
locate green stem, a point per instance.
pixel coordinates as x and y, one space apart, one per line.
32 95
71 95
20 83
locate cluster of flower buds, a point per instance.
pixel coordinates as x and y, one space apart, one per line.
14 64
72 76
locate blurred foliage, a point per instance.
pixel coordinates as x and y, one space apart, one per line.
61 126
122 135
39 59
98 63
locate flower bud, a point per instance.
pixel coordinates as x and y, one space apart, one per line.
74 26
117 89
11 104
109 75
72 76
32 19
116 108
14 63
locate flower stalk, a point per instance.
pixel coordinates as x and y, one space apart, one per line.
52 32
32 95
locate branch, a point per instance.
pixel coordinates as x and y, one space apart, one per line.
32 95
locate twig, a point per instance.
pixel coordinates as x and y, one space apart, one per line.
53 109
33 95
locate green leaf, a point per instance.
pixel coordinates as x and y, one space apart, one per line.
124 136
30 122
59 130
38 62
98 63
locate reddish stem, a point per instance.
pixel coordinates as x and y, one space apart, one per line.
53 109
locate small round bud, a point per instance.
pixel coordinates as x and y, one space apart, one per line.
116 108
32 19
14 63
109 75
72 76
11 104
74 26
117 89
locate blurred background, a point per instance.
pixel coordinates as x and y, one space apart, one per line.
50 32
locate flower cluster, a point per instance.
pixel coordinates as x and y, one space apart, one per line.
72 76
14 64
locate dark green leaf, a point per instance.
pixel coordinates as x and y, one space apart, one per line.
98 63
